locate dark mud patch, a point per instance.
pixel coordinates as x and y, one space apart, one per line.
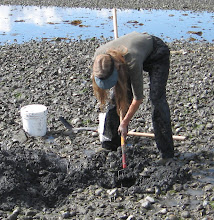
34 178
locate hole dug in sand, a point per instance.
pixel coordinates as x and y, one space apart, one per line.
34 178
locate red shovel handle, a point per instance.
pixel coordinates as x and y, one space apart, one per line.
123 146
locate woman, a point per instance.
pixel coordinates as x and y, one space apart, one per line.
118 74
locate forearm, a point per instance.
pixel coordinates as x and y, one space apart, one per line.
131 111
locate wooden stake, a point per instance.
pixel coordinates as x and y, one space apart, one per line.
115 23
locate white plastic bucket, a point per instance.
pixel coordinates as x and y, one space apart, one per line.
34 119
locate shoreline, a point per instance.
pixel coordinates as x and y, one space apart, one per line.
195 5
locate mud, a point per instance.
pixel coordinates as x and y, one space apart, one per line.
34 178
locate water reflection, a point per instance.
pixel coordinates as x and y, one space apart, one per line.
23 23
5 19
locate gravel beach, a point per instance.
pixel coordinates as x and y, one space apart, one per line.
66 175
197 5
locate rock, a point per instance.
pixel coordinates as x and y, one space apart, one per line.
150 190
112 192
188 156
146 204
200 207
150 199
66 215
131 217
76 121
30 213
172 217
209 188
13 216
185 214
157 191
122 216
177 187
209 126
73 213
95 134
163 211
98 191
205 203
20 137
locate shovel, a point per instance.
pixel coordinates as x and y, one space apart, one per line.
75 130
130 133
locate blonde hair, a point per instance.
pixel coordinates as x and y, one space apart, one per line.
101 69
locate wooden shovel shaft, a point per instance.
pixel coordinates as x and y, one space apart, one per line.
131 133
141 134
123 141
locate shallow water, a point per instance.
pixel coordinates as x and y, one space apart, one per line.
205 176
23 23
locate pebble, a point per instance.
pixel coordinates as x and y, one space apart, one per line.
205 203
177 187
76 121
94 134
30 213
209 126
150 199
112 191
13 216
131 217
66 215
163 211
185 214
209 188
146 204
171 217
20 137
98 192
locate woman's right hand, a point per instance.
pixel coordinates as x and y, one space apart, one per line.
123 129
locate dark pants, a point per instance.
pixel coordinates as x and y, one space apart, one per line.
157 65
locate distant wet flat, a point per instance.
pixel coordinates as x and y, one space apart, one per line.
24 23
